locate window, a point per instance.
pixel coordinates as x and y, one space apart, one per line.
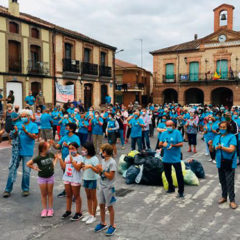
104 91
14 56
68 51
194 71
222 68
35 33
13 27
35 53
103 59
87 55
170 72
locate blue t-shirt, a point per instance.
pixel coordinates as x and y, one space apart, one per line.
96 127
225 141
13 116
63 124
30 100
136 130
70 111
26 143
46 120
108 99
82 128
67 139
172 155
161 125
55 117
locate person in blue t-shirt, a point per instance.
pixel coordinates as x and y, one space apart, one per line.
30 99
70 110
46 125
172 141
108 99
1 100
161 128
97 131
83 125
56 117
64 143
15 115
27 132
137 124
225 145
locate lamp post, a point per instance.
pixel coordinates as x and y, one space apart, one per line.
114 74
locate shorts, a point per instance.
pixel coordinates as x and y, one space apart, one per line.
112 138
49 180
90 184
107 196
72 184
46 134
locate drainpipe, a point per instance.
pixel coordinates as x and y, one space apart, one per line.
114 78
54 64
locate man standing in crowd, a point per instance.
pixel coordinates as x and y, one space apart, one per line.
172 141
27 132
108 99
145 132
40 101
11 97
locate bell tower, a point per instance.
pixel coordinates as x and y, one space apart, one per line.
13 7
223 17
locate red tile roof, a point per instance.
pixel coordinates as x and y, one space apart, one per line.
123 64
35 20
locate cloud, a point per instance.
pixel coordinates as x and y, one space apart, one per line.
159 23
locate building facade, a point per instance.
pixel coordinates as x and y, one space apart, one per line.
37 54
26 55
132 84
204 70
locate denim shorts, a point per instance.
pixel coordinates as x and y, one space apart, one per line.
90 184
49 180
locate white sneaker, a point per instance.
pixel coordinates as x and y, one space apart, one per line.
214 161
210 160
91 220
86 218
206 154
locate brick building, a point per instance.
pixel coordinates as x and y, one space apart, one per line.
133 83
35 54
204 70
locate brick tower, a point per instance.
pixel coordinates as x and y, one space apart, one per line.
223 17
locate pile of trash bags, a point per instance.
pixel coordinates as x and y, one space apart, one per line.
147 168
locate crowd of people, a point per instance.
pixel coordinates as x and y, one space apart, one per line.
78 135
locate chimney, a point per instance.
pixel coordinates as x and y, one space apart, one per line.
195 36
13 7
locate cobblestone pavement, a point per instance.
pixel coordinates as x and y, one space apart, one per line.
146 212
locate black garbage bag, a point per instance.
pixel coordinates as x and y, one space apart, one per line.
129 161
131 174
197 168
152 172
139 159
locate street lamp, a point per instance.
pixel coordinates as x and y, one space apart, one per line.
114 73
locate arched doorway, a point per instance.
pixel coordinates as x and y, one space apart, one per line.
88 92
222 96
104 92
194 95
170 96
35 88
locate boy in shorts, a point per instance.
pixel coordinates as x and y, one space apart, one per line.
106 194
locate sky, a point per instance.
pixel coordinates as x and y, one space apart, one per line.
121 23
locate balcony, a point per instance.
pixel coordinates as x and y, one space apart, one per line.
39 68
105 71
14 65
89 68
169 78
130 87
209 77
70 65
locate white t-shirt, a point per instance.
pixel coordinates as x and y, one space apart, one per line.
71 174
